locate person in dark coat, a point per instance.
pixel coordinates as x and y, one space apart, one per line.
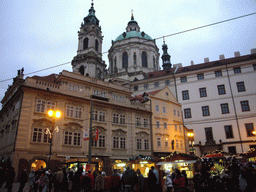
115 182
76 187
23 180
86 182
151 181
2 176
9 179
140 181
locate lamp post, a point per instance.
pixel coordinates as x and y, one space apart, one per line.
190 135
54 115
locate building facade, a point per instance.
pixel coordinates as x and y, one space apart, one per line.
25 142
217 98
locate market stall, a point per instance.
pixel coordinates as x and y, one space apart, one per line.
180 161
143 163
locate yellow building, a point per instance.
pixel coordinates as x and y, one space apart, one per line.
24 142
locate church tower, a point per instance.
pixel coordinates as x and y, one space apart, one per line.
88 61
166 58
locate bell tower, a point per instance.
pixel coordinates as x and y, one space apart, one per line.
166 58
88 61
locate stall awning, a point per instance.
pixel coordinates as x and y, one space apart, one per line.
176 162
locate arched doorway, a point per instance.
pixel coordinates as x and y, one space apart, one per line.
38 164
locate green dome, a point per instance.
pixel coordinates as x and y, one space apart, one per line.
131 34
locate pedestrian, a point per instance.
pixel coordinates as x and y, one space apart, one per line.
99 182
198 181
70 179
23 180
140 181
186 180
115 182
40 182
129 179
46 181
179 181
76 186
50 180
91 177
31 179
158 187
151 181
58 180
2 176
168 181
86 182
9 178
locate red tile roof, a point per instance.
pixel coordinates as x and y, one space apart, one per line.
51 78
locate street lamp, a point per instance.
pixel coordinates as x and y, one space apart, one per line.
190 135
54 115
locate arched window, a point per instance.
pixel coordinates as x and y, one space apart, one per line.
144 59
86 42
125 60
81 70
96 45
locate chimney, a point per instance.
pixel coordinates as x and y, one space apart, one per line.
192 63
206 60
237 54
222 57
253 51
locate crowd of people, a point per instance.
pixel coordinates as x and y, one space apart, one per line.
62 180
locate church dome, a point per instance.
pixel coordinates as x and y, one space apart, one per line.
131 34
133 30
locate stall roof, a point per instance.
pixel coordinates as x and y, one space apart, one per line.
176 162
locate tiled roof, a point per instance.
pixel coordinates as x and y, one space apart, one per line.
50 78
201 66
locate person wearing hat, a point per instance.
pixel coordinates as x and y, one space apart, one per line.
168 181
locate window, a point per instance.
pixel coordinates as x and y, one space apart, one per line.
166 143
144 59
240 86
138 121
254 67
205 110
245 105
237 70
221 89
218 73
73 111
146 86
200 76
96 45
229 131
102 140
72 138
125 60
202 92
157 124
86 42
43 106
176 127
183 79
181 144
178 113
249 129
158 140
187 113
177 144
145 122
146 144
174 112
165 125
164 110
224 108
167 82
180 128
40 136
99 116
138 143
185 95
136 88
157 107
119 142
208 134
156 84
232 150
119 119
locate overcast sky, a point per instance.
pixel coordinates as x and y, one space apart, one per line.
37 34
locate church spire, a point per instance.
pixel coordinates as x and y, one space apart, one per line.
166 57
91 17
